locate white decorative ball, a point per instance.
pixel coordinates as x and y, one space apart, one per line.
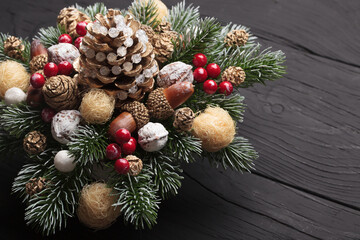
64 125
64 162
153 137
14 96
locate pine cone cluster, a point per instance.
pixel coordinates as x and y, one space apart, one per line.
35 185
14 48
236 38
235 75
69 18
34 142
116 56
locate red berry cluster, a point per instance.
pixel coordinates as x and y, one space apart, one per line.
80 29
213 71
126 145
63 68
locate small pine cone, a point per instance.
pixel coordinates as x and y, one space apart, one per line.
69 18
163 27
236 38
34 143
184 118
35 185
149 31
235 75
138 111
14 48
61 93
38 63
136 165
158 105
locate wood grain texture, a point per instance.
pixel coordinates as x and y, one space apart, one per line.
305 127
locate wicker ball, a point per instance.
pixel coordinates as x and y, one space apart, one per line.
38 62
158 105
95 208
139 112
13 74
215 128
61 93
136 165
97 107
235 75
34 143
183 119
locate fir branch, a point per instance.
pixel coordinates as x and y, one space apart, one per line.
258 65
183 147
196 38
137 199
238 156
18 120
49 36
92 10
146 12
9 144
88 144
165 173
181 17
25 53
233 104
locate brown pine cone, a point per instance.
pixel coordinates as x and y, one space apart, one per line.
38 62
61 93
184 118
14 48
136 165
34 143
236 38
69 18
235 75
35 185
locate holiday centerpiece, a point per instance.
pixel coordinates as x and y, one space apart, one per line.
107 105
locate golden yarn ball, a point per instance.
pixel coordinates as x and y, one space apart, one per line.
95 208
215 128
97 107
13 74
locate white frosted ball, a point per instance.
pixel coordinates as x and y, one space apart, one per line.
14 96
64 162
64 125
153 137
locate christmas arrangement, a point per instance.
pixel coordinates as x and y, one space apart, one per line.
108 104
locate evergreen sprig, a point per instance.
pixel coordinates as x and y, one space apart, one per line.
20 119
146 12
25 53
182 16
94 9
238 156
138 199
88 144
49 36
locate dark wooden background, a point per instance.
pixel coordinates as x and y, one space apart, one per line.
305 127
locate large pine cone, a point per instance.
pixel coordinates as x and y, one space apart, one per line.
69 18
14 48
61 92
117 56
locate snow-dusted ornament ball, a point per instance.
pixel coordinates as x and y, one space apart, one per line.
64 162
64 125
14 96
153 137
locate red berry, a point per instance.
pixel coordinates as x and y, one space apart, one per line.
78 41
226 88
65 38
200 74
47 114
37 80
210 86
113 151
65 68
129 147
213 70
81 28
199 60
122 136
51 69
122 166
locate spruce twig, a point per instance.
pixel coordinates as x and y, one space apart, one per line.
181 17
49 36
146 12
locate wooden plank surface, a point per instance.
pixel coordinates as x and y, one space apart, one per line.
307 183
